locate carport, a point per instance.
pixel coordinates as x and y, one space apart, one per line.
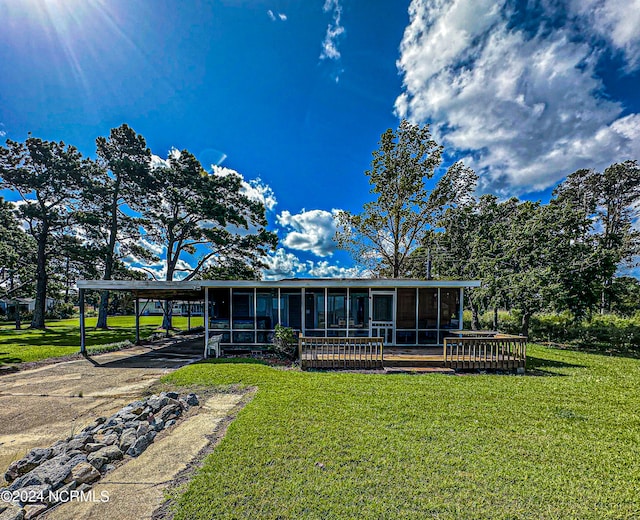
150 290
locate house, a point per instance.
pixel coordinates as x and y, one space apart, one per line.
8 305
341 323
402 312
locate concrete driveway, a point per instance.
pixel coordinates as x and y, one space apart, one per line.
46 404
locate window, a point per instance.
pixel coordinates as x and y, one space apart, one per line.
266 309
219 309
242 309
291 308
337 308
449 308
406 309
358 309
314 312
427 308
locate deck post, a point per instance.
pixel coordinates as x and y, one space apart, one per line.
188 316
137 320
83 346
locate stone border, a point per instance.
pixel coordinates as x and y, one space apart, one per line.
46 477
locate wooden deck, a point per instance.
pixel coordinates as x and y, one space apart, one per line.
500 352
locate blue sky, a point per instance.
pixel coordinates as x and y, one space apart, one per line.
297 93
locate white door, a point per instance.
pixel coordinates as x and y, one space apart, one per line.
382 315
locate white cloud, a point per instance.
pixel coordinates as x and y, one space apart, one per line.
283 264
615 21
255 189
276 16
334 30
324 269
2 133
527 109
311 231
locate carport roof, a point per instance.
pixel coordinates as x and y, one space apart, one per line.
152 290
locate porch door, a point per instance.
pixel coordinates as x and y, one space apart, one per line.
382 316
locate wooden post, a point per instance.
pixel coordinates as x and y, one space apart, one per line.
137 320
83 346
188 316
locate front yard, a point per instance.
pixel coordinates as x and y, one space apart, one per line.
561 442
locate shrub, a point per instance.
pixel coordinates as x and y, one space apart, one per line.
284 342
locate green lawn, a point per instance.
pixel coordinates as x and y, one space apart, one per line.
62 337
562 442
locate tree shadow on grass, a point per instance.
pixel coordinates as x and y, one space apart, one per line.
543 367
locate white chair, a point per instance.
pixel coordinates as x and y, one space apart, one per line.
213 345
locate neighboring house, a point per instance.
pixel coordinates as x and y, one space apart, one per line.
8 305
156 308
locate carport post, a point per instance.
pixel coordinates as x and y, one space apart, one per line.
137 320
189 315
206 318
83 346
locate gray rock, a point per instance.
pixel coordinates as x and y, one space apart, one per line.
139 446
84 472
172 395
83 488
59 448
171 410
33 459
12 513
34 494
64 490
97 461
192 400
52 472
90 447
131 424
127 439
143 428
158 425
33 510
110 439
78 442
157 402
111 453
151 436
108 467
170 423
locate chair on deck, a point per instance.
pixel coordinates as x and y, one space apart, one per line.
213 346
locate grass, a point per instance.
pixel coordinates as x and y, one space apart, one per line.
62 337
563 442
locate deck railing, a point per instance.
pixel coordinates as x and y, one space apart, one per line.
344 353
502 352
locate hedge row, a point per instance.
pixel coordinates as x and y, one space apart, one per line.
601 331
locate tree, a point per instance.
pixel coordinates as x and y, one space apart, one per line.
48 177
604 207
205 216
121 180
17 270
396 222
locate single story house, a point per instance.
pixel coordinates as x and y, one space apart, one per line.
402 312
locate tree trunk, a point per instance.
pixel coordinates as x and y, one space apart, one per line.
475 317
102 310
108 261
526 317
39 310
168 314
495 318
